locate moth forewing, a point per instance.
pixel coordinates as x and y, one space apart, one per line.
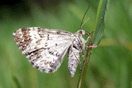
46 48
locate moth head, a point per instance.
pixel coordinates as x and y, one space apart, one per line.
81 32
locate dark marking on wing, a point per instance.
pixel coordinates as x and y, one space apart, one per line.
47 36
37 67
35 51
74 47
43 69
58 32
32 63
51 70
22 38
57 54
51 53
45 44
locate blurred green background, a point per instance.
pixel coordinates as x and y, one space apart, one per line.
110 63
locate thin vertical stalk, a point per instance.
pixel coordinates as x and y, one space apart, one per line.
94 40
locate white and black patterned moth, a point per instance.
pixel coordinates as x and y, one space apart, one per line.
46 48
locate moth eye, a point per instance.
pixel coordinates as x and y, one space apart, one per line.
81 32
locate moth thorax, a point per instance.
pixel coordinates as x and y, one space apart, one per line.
82 32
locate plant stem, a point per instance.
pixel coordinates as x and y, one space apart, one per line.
85 64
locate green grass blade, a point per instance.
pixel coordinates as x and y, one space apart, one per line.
99 23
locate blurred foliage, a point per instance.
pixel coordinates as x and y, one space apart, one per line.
110 63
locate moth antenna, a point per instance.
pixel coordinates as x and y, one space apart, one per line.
84 17
85 21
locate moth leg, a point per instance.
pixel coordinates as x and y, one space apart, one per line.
78 61
87 38
83 56
77 58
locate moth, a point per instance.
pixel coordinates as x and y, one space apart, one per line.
46 48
